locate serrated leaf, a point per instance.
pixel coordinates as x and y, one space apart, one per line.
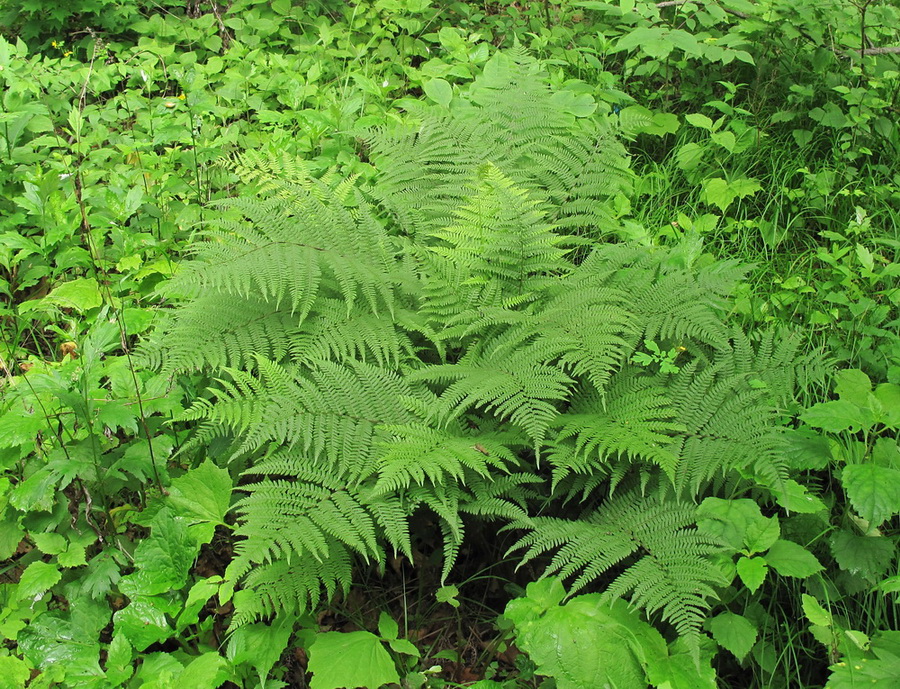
698 120
202 494
162 561
49 543
14 673
869 556
36 580
717 192
752 571
796 498
260 644
371 666
854 386
874 491
80 294
761 534
735 633
209 671
689 156
557 639
814 612
790 559
724 139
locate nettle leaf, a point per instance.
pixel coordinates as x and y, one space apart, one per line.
36 580
854 386
792 560
874 491
739 523
814 612
734 633
350 659
869 556
203 495
14 673
161 561
752 571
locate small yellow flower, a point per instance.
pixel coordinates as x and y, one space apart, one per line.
67 53
55 44
181 97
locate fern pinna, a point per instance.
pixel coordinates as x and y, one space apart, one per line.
454 336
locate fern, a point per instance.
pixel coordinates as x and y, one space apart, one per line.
453 336
664 561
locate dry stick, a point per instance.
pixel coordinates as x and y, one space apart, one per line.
885 50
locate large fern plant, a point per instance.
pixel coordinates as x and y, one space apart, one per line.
455 337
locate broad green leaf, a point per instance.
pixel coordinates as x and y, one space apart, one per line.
208 671
260 645
118 661
404 646
869 556
734 633
854 386
11 534
796 498
142 623
888 395
689 156
724 139
814 612
38 578
717 192
387 627
14 673
197 597
698 120
837 416
49 543
680 670
556 639
792 560
351 659
162 561
744 187
202 494
761 534
80 294
439 90
752 571
874 491
729 520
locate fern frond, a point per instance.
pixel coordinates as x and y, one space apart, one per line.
667 565
424 456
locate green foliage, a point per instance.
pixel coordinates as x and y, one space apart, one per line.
452 342
592 642
498 351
